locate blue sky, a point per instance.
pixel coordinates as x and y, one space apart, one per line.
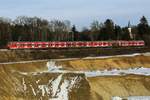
79 12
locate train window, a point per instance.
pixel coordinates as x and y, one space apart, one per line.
47 45
53 45
18 45
33 45
69 44
62 44
21 45
29 45
104 43
95 44
39 45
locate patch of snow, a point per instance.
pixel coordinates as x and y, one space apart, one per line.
66 87
44 89
139 98
73 81
52 66
55 84
33 90
136 71
102 57
61 88
22 73
63 94
116 98
146 54
24 85
37 81
132 98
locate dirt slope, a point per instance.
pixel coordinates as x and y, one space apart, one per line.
30 81
104 88
107 63
17 85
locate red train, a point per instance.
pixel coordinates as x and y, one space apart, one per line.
46 45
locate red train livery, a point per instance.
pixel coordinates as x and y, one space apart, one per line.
45 45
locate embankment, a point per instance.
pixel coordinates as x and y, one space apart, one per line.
32 81
107 63
27 55
104 88
18 85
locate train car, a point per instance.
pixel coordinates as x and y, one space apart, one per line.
76 44
131 43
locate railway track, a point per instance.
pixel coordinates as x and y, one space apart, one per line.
28 55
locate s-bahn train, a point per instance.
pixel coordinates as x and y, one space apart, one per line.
75 44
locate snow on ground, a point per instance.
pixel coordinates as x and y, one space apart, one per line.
59 89
138 71
24 85
146 54
66 87
132 98
55 85
33 90
126 55
139 98
56 89
52 66
116 98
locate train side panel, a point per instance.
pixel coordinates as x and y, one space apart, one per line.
46 45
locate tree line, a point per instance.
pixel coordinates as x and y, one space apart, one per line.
25 28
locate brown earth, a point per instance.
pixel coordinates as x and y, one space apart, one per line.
104 88
17 85
106 63
95 88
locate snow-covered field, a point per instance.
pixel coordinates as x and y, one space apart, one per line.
132 98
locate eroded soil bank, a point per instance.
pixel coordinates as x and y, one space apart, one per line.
33 81
107 63
104 88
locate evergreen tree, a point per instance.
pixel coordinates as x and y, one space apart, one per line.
75 33
109 29
118 32
143 27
